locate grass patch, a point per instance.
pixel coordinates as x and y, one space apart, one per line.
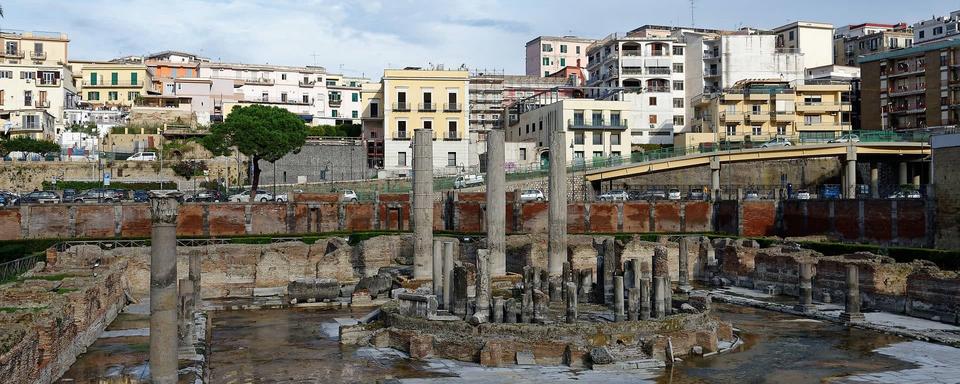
56 277
21 309
62 291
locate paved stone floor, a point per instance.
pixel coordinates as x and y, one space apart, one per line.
936 364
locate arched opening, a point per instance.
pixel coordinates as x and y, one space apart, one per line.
658 85
632 49
659 49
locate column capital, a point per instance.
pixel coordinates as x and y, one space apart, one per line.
163 207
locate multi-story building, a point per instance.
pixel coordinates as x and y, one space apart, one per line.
853 41
116 83
300 90
549 54
371 95
936 28
36 85
594 129
648 65
759 110
345 99
414 98
813 40
913 87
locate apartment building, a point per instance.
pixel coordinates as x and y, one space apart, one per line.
300 90
936 28
813 40
548 54
649 67
910 88
594 129
115 83
36 85
854 41
345 99
371 115
759 110
413 98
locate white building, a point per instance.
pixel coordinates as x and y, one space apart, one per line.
649 66
301 90
344 98
936 28
833 72
813 40
549 54
103 119
594 128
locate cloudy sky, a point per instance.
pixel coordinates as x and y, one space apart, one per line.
357 37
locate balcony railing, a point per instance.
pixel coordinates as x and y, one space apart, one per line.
452 107
632 71
401 136
632 53
308 83
427 107
38 55
658 70
260 81
118 84
336 101
401 106
452 136
48 83
597 124
42 103
13 54
907 89
657 89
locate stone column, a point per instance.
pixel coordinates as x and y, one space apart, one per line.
637 273
570 294
163 288
851 312
496 203
806 288
633 300
851 173
541 307
684 264
557 211
497 310
618 298
661 268
916 179
194 276
482 313
447 275
511 311
874 180
459 291
422 203
715 178
438 269
567 277
586 284
644 299
659 304
609 268
526 304
903 174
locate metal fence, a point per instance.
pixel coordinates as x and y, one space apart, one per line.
11 269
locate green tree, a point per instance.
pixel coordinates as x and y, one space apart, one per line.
27 144
261 133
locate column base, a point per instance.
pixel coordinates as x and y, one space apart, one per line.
805 308
852 317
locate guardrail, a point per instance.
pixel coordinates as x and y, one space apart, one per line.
11 269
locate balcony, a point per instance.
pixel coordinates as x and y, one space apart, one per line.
620 124
13 54
905 90
401 107
657 89
908 109
709 73
757 116
260 81
48 83
731 116
784 116
823 126
452 136
268 100
307 84
42 103
452 107
632 71
427 107
658 70
906 72
632 53
818 107
118 84
402 135
335 101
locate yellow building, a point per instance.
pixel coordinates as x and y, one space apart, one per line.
35 84
111 83
410 99
760 110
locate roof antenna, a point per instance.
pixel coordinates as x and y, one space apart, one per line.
693 21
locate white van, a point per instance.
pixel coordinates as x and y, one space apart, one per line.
465 181
143 156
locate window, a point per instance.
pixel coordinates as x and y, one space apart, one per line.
401 129
678 120
452 129
563 48
27 98
354 97
597 154
114 78
113 95
921 36
578 155
578 49
678 50
653 100
938 30
615 119
678 67
597 138
894 43
13 47
374 109
615 154
678 85
756 109
401 97
791 36
27 75
546 73
578 118
811 119
133 78
614 139
678 102
653 119
132 96
93 96
578 138
756 130
546 61
541 123
6 74
283 76
30 121
264 96
597 119
547 47
781 130
523 153
563 62
731 130
401 159
428 124
306 99
354 114
3 95
451 159
334 113
38 48
283 97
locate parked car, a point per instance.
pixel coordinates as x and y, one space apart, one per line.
653 194
7 199
776 142
281 198
696 194
531 195
348 196
673 194
208 196
68 194
39 197
244 197
143 156
95 196
464 181
614 196
906 194
847 138
120 194
751 195
139 196
803 194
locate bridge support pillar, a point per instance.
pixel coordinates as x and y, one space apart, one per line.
715 178
850 174
874 180
916 178
902 175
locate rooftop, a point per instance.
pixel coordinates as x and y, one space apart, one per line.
263 67
44 35
805 24
574 39
914 50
